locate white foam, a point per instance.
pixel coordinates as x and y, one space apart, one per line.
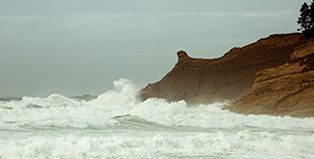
117 125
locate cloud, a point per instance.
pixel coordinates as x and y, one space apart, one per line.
282 13
12 18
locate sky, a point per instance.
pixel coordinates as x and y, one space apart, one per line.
75 47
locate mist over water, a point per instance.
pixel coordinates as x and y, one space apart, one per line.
117 125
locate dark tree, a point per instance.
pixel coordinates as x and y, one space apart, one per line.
306 20
312 15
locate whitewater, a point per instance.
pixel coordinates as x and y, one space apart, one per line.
117 125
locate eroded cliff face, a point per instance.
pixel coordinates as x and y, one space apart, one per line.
229 77
284 90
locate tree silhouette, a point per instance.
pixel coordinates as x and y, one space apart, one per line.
312 15
306 20
303 20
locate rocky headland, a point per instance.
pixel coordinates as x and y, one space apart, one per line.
284 90
271 76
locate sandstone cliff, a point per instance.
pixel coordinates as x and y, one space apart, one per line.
284 90
228 77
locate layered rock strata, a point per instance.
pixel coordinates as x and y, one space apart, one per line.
284 90
229 77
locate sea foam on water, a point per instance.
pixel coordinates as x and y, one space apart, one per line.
117 125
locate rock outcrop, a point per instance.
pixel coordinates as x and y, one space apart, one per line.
284 90
229 77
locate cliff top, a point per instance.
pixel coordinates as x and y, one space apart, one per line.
226 77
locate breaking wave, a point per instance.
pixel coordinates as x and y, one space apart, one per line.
117 125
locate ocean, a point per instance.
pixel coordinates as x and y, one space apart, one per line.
116 124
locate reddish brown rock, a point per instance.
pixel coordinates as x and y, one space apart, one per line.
284 90
228 77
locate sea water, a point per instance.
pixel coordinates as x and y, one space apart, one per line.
117 125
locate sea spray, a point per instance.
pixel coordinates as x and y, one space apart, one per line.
117 125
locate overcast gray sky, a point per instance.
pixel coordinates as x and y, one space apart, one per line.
77 47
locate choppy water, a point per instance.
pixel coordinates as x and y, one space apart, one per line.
116 125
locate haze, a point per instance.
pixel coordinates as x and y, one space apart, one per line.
75 47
